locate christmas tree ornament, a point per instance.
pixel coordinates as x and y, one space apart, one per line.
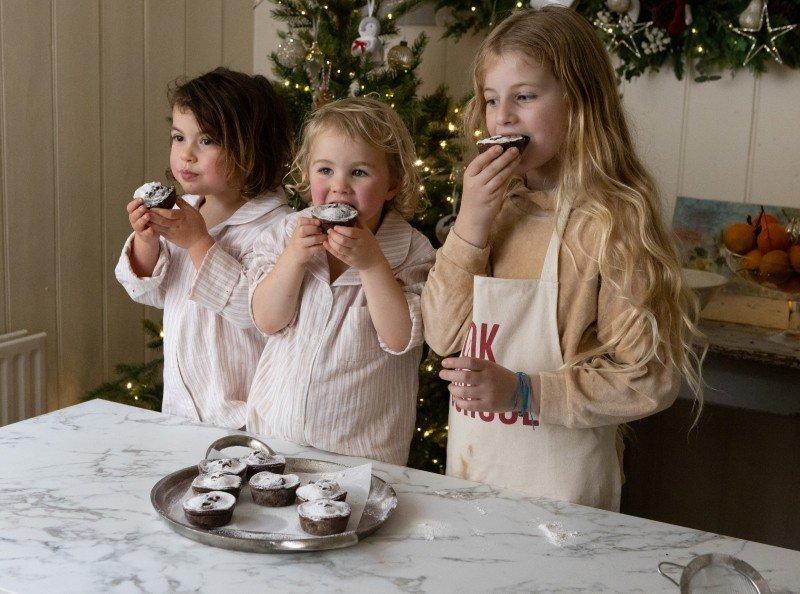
766 34
678 23
322 94
444 17
656 40
290 51
539 4
629 7
633 11
400 57
389 7
354 90
750 17
314 61
368 45
618 5
621 32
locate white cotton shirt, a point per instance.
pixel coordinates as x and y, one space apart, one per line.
327 380
211 346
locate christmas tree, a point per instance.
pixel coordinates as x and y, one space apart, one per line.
137 384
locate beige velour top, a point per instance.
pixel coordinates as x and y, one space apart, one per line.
589 310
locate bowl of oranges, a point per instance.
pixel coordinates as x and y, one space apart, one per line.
765 251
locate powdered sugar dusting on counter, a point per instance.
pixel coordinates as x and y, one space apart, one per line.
556 534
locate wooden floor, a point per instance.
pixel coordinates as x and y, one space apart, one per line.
737 474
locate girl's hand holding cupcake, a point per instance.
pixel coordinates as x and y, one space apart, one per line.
184 227
485 180
139 216
306 241
355 246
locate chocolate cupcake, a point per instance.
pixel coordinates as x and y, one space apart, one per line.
506 142
210 510
321 489
335 213
273 490
324 517
229 483
235 466
259 461
155 195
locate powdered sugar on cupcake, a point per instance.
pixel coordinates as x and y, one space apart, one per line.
335 211
223 465
217 481
321 489
257 458
270 480
215 500
321 509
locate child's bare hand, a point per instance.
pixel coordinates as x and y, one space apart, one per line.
183 226
485 181
355 246
306 241
480 385
139 216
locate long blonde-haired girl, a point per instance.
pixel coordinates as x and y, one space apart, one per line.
558 281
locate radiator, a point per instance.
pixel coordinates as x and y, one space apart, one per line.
23 391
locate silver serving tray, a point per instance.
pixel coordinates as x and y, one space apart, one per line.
164 495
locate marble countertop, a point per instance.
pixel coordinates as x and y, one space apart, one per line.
76 517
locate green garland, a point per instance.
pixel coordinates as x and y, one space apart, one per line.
710 43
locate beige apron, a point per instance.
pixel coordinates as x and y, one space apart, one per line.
515 325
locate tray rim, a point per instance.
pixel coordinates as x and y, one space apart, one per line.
257 545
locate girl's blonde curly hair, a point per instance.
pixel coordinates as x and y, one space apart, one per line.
375 123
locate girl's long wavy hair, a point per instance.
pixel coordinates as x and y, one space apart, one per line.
375 123
610 185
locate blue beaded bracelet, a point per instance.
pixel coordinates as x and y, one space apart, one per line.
524 392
